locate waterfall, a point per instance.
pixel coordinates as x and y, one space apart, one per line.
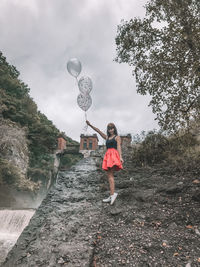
12 223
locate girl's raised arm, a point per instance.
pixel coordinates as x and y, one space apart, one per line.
97 130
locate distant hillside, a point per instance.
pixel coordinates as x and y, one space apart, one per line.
37 135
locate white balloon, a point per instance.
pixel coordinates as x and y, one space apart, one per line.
84 101
85 85
74 67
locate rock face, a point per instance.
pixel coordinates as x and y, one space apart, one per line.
14 152
153 222
13 145
64 227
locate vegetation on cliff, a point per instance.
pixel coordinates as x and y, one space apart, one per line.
16 105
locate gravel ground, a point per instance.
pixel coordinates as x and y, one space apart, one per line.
154 222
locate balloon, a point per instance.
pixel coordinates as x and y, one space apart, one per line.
84 101
74 67
85 85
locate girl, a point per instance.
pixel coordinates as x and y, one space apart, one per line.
113 157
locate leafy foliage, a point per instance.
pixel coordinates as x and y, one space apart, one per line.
176 152
17 106
67 138
151 150
164 51
9 174
68 160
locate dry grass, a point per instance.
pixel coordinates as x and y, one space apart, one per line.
181 152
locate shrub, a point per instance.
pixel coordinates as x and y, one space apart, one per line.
9 174
68 160
151 150
180 152
38 174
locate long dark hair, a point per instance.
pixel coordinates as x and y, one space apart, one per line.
111 125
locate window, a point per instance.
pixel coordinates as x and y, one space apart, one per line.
85 144
90 144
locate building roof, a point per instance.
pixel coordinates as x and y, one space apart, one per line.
86 136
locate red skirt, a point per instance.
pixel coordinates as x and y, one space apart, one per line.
112 159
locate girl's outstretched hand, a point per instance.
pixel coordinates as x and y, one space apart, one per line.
121 159
88 123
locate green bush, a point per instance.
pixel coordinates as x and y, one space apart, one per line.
68 160
38 174
151 150
9 174
180 152
187 162
17 105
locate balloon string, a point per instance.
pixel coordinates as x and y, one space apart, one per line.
86 126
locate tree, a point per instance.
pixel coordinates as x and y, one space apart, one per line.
164 51
17 105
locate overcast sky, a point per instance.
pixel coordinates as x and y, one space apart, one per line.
40 36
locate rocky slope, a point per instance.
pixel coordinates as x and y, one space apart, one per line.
14 159
13 146
63 228
154 221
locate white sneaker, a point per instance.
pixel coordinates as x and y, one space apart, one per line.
106 200
113 197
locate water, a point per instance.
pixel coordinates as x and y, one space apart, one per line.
12 223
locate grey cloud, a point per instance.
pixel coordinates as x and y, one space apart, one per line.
38 37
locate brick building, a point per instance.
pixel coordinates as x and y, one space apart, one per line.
61 143
88 142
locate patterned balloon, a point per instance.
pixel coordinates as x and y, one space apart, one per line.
84 101
85 85
74 67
